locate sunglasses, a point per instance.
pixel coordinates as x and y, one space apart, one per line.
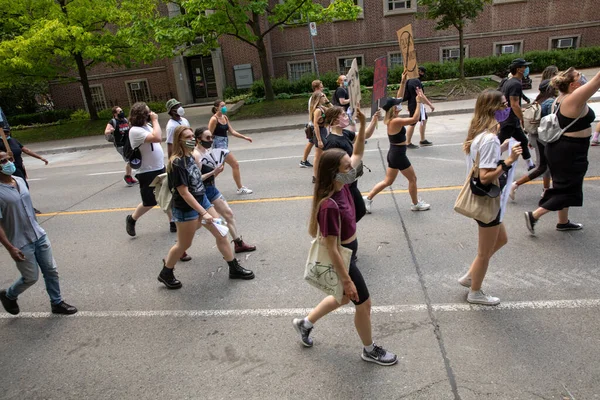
6 160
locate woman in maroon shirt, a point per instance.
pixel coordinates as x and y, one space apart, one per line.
333 214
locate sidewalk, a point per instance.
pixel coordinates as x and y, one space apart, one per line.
199 116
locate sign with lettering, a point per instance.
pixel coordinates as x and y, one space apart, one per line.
407 48
354 86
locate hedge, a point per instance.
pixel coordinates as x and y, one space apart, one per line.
584 57
45 117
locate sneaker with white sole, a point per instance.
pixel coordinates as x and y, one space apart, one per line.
379 355
303 331
479 297
465 280
305 164
368 204
569 226
244 190
530 222
513 191
420 206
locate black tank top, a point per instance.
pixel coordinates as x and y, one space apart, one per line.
581 124
221 129
399 137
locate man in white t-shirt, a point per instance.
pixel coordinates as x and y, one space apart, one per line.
147 138
176 112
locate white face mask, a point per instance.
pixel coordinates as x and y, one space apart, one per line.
180 111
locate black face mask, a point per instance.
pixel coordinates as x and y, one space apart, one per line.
121 115
421 77
207 144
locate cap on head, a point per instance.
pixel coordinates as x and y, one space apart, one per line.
519 62
422 69
391 102
172 103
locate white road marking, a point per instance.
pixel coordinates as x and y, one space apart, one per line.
290 312
106 173
443 159
36 179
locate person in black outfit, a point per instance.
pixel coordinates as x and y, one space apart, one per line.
513 126
341 97
410 95
342 138
118 127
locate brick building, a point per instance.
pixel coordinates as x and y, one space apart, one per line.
504 27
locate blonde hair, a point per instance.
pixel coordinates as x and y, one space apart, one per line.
389 115
179 149
488 102
339 80
562 80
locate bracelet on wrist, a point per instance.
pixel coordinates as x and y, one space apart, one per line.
505 167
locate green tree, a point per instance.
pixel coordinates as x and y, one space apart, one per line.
250 21
453 13
48 39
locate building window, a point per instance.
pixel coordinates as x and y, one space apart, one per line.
138 91
344 63
502 48
98 98
297 69
568 42
391 7
451 53
394 59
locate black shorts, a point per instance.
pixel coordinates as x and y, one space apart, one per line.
412 110
396 157
147 192
323 132
495 222
356 276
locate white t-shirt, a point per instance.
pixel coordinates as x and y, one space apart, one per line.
488 146
153 157
172 125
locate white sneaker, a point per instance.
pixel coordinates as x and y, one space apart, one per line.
244 190
368 204
479 297
420 206
513 191
465 280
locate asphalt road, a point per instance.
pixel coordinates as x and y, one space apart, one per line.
222 339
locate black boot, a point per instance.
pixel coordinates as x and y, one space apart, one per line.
236 271
167 277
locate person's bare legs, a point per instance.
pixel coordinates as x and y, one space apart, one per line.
127 169
185 236
390 177
327 305
422 126
222 242
362 322
307 150
500 242
140 210
409 134
486 247
318 153
235 169
221 207
409 174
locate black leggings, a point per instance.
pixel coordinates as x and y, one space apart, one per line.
542 161
515 131
356 276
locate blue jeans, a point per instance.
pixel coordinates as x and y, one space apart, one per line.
220 142
37 254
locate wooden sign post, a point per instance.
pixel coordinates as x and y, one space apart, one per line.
407 48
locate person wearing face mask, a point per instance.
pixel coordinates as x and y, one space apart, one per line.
482 141
118 127
512 126
397 160
26 242
211 163
220 126
176 112
411 97
341 97
332 217
568 156
342 138
192 210
318 104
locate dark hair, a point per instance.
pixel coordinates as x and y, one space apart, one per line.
329 166
114 109
513 69
199 131
548 92
138 115
332 114
216 106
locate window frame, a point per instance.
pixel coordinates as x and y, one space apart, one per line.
442 48
97 85
507 42
411 10
389 61
290 63
576 44
350 57
129 97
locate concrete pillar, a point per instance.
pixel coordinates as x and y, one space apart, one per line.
182 80
219 66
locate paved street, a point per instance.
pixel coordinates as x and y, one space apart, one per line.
222 339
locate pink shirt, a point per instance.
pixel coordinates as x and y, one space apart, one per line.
331 211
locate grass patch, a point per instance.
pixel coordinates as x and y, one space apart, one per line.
64 130
293 106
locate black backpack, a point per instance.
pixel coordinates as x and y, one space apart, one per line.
133 156
501 85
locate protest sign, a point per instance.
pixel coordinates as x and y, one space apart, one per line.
407 49
379 83
354 86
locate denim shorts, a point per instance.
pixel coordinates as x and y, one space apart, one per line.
220 142
212 193
180 215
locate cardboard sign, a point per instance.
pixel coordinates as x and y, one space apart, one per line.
407 48
354 86
5 142
379 83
